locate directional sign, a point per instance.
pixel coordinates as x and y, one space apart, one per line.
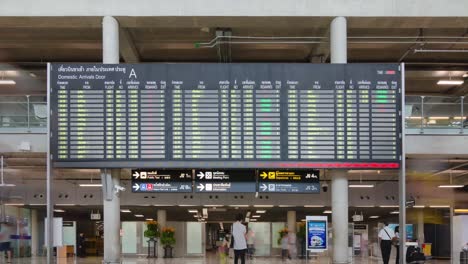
289 181
221 181
153 180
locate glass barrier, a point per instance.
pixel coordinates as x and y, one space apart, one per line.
23 112
436 113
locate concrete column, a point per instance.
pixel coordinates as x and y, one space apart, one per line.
112 247
339 188
338 41
110 40
420 228
292 221
162 218
34 233
339 192
111 203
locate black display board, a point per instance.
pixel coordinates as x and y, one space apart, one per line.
225 181
242 115
154 180
289 181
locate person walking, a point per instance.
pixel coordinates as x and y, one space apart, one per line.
240 243
386 235
81 246
285 247
250 243
397 245
5 244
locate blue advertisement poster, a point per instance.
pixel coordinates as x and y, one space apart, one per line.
317 234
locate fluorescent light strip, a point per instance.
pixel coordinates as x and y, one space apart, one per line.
327 212
451 186
59 211
419 206
186 205
395 212
264 206
139 215
284 206
253 220
439 117
439 206
14 204
38 204
374 216
193 211
389 206
365 206
125 211
7 82
314 206
214 205
260 211
303 220
65 204
256 216
90 185
149 219
461 211
239 205
450 82
361 186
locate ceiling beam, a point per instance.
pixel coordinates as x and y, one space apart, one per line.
128 50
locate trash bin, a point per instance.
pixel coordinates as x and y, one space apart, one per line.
464 257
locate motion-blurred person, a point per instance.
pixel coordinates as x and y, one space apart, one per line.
397 245
81 246
5 244
240 243
250 243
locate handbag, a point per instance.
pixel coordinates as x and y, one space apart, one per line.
395 240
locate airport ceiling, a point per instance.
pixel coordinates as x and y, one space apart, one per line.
432 48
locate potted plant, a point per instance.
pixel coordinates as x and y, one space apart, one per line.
282 232
152 232
168 240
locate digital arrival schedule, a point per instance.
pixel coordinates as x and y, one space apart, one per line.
239 115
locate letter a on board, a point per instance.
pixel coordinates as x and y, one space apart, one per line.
133 73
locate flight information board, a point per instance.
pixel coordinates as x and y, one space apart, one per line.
240 115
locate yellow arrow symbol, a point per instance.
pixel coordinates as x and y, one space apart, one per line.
264 175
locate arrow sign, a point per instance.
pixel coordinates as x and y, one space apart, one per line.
136 187
264 187
264 175
201 187
201 175
136 175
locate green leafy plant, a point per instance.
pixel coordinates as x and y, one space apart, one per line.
282 232
301 232
168 236
152 229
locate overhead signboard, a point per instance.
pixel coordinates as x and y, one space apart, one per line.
317 233
236 115
225 181
154 180
289 181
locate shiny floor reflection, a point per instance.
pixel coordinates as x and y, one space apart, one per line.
208 260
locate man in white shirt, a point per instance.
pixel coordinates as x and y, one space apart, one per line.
240 243
386 235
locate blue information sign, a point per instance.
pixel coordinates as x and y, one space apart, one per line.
317 233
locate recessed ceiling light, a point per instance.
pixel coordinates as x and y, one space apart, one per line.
253 220
389 206
395 212
439 206
260 211
451 186
193 211
125 211
256 216
327 212
419 206
149 219
303 220
65 204
264 206
239 205
186 205
374 216
90 185
14 204
365 206
139 215
314 206
284 206
461 211
361 186
59 211
214 205
7 82
450 82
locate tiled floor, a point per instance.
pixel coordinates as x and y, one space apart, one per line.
208 260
